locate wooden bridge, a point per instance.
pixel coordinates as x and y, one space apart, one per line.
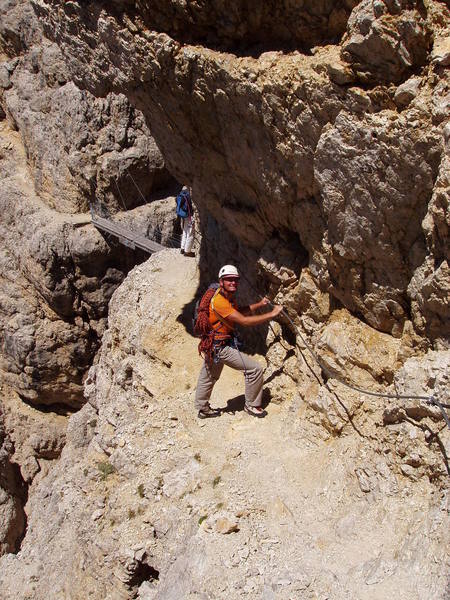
124 235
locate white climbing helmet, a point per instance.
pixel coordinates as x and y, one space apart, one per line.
228 270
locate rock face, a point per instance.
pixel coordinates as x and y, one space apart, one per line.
386 39
242 24
62 150
291 147
58 274
80 149
31 440
100 148
315 137
147 501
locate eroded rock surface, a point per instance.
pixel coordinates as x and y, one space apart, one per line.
53 305
80 149
31 440
315 137
387 39
63 150
248 25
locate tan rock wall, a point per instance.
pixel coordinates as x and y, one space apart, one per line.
318 156
279 145
12 495
62 150
240 23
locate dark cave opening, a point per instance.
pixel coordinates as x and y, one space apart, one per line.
143 572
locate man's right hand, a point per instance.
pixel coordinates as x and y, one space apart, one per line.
276 310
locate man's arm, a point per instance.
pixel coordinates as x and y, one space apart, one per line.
250 308
237 318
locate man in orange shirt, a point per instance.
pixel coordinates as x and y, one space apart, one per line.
224 315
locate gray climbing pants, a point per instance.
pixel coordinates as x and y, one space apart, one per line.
210 373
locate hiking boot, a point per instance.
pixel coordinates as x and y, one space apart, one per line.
255 411
189 254
207 412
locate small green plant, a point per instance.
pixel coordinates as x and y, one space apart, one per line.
141 491
200 521
197 457
131 513
219 505
105 469
216 481
85 471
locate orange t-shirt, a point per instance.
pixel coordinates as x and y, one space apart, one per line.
224 308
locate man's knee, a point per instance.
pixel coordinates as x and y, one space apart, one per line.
255 372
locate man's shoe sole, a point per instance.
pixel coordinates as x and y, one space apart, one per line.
260 415
206 416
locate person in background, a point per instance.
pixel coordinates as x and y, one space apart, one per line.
186 213
224 315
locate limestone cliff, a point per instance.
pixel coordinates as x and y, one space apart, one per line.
315 136
338 152
61 150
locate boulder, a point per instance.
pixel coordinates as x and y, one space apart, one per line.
386 40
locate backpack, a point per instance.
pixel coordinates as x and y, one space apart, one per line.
184 204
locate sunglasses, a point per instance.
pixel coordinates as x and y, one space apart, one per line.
231 279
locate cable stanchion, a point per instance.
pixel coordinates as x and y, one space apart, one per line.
137 187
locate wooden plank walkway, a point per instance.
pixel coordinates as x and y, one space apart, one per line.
125 236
